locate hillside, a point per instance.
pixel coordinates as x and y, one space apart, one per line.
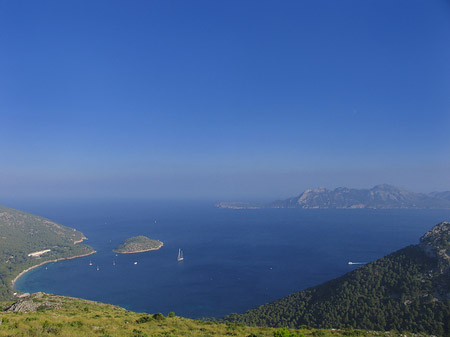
28 240
50 315
406 290
379 197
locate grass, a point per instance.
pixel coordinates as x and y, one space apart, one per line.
78 318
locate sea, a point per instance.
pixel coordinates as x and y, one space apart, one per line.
234 260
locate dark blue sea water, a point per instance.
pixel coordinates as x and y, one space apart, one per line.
234 259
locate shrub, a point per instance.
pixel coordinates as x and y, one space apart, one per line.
77 324
138 333
48 327
283 332
143 319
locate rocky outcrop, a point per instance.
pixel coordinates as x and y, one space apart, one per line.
35 302
436 244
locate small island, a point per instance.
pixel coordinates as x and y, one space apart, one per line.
138 244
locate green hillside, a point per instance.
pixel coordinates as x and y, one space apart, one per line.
22 233
407 290
49 315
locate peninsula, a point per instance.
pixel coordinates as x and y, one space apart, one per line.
28 241
138 244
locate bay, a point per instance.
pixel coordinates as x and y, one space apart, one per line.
234 259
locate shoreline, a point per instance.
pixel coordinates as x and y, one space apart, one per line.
14 280
80 241
141 251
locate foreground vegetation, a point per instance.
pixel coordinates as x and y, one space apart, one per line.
64 316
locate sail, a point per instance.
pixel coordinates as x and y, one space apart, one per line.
180 255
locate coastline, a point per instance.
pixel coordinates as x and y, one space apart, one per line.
13 281
141 251
80 241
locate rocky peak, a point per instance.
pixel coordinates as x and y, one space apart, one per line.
342 190
321 190
387 188
304 195
436 244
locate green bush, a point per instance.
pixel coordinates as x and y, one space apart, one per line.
138 333
77 324
283 332
143 319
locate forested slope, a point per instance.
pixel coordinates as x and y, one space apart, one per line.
22 233
407 290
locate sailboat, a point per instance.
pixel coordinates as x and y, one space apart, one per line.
90 263
180 255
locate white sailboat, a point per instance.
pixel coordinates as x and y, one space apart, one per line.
180 255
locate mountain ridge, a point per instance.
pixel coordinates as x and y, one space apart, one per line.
381 196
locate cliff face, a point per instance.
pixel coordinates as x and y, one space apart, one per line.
436 244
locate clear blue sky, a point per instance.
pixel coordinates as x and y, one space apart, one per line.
222 99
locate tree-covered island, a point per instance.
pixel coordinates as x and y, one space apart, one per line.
138 244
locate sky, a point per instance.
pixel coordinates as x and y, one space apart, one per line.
226 100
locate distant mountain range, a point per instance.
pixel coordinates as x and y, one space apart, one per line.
379 197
